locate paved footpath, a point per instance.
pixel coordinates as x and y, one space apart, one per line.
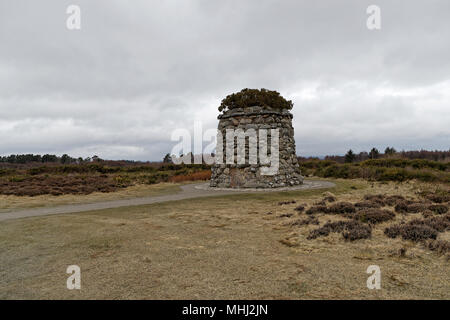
187 192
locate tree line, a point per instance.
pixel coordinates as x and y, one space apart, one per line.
349 157
46 158
390 152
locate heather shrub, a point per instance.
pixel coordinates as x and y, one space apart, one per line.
404 163
420 229
438 208
281 203
254 97
320 232
401 207
416 207
344 171
342 208
285 215
416 232
377 198
56 192
357 231
424 175
439 246
306 221
427 213
393 231
440 224
374 216
438 197
367 204
326 229
351 230
317 209
393 174
381 171
394 199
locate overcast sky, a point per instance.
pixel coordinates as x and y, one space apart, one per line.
137 70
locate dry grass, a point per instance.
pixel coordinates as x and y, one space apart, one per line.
231 247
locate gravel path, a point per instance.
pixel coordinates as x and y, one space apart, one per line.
188 191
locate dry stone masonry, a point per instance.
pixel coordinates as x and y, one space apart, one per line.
234 175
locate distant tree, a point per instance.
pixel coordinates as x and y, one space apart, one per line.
37 158
349 156
96 159
11 158
167 158
374 153
389 151
362 156
49 158
65 159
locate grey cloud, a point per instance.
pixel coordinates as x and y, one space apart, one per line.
136 71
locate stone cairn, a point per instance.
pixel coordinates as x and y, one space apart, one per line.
234 175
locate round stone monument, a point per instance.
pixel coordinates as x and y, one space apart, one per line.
256 124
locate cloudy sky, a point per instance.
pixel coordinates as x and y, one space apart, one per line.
137 70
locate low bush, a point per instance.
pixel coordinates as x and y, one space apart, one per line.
351 230
416 207
427 213
344 171
393 200
317 209
438 208
374 216
320 232
416 232
357 231
420 229
281 203
327 228
342 208
393 231
405 163
375 197
381 170
401 206
285 215
255 97
440 224
440 197
439 246
367 204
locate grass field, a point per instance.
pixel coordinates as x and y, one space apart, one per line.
242 246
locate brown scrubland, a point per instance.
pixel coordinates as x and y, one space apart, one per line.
308 244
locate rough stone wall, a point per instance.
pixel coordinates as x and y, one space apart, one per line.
249 175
